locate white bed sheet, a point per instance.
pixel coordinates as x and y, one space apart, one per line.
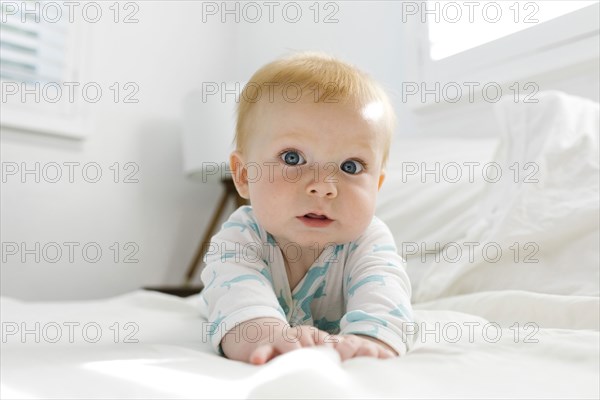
171 360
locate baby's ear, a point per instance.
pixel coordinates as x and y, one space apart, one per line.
239 174
381 179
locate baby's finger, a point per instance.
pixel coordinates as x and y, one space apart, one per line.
293 337
332 340
266 352
385 353
346 347
262 354
319 337
306 336
367 349
323 338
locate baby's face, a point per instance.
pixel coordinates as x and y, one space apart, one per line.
310 158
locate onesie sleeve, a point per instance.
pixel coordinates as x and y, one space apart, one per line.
377 289
237 280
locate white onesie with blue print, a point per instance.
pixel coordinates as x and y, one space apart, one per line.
360 287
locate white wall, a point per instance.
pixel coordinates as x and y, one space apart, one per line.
366 34
167 53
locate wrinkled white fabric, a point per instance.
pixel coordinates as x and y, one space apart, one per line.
168 357
537 228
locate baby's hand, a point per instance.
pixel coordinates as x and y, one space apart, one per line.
291 339
350 346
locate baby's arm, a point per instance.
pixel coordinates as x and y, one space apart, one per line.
273 338
377 295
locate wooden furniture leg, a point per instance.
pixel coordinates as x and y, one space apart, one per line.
187 289
229 193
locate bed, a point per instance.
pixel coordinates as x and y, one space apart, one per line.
485 327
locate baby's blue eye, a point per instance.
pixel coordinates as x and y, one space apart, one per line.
352 167
292 158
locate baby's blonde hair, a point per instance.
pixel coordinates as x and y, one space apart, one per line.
326 78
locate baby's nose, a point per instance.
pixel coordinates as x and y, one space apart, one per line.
323 192
324 186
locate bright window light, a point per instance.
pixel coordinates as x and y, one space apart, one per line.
457 26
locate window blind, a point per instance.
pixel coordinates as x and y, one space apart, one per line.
32 48
40 51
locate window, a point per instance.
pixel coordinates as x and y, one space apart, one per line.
488 46
39 67
457 29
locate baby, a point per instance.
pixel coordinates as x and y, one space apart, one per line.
308 263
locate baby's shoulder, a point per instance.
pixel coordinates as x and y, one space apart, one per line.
376 237
377 230
243 221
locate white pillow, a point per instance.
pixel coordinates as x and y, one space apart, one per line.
422 209
554 221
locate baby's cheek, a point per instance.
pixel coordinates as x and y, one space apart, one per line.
269 175
362 209
267 197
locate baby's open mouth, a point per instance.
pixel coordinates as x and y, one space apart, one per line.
315 216
315 220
